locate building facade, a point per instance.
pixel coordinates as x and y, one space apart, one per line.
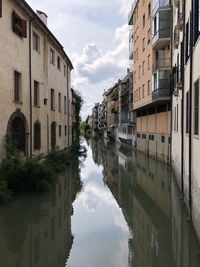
35 90
151 24
185 135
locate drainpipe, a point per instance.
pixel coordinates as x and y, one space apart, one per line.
30 84
190 112
182 104
169 161
68 106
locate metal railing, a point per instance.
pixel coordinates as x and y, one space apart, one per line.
160 4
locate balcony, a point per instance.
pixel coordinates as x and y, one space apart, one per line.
160 5
162 29
131 37
161 85
130 15
126 132
163 60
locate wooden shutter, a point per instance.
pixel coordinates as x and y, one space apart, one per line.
24 28
0 8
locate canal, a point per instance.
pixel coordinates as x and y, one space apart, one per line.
124 212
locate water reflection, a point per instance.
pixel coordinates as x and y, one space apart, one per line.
36 230
160 234
127 214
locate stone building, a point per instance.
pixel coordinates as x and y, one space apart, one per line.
185 134
151 41
35 91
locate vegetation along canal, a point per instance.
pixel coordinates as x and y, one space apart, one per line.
125 212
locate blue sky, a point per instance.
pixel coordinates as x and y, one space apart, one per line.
94 34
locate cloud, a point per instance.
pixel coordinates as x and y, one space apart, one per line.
96 67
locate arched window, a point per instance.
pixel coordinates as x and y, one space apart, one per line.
37 135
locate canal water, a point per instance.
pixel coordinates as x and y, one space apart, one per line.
113 208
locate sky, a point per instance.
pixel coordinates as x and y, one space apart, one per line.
94 34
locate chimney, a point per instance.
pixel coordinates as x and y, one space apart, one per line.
42 16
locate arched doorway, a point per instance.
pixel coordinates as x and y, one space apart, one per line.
17 130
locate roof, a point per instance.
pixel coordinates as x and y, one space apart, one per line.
34 17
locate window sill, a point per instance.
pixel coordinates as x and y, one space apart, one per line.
36 106
196 137
20 102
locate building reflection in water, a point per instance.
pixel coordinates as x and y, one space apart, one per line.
36 230
146 191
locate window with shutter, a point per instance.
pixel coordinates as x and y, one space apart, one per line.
17 86
0 8
36 94
37 135
19 25
53 134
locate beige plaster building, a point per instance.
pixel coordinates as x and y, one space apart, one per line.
186 120
35 88
151 22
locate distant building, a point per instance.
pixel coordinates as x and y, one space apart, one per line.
113 112
35 88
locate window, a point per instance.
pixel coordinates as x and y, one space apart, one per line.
37 135
149 87
17 86
149 36
60 131
139 71
143 91
163 139
139 93
148 63
52 56
52 100
64 70
53 134
149 10
187 42
143 21
36 42
0 8
19 25
143 63
65 104
143 44
187 112
65 130
36 94
59 102
58 62
196 108
196 18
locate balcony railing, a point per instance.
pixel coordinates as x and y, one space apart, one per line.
161 93
157 4
162 87
130 15
163 60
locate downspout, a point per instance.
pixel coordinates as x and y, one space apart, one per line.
68 106
171 95
30 85
182 104
190 113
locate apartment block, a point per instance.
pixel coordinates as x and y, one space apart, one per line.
151 23
35 88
